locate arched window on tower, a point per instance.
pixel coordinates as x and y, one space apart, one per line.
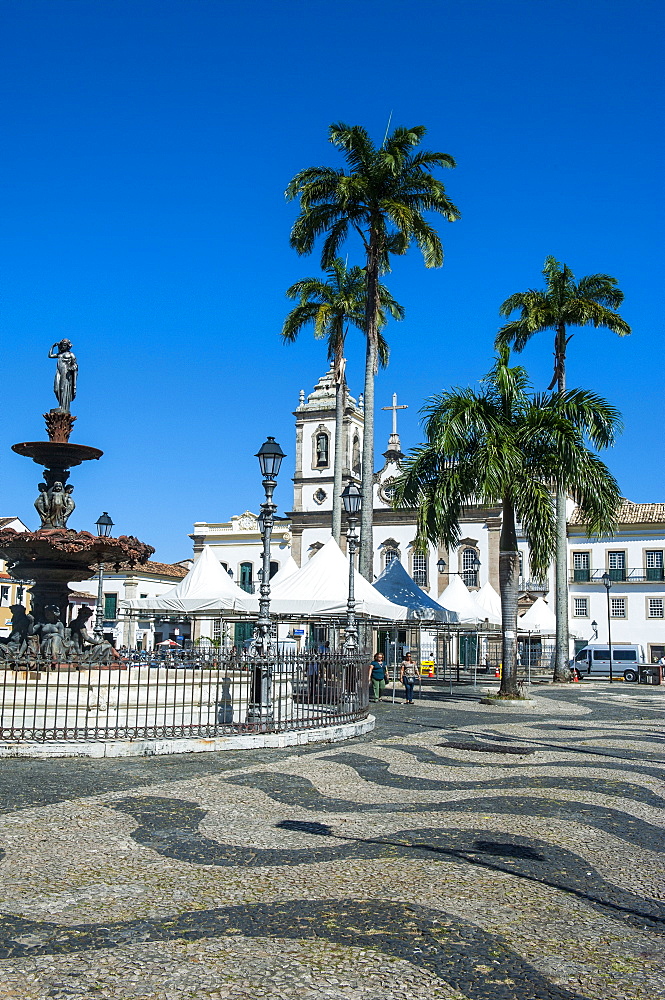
322 450
470 565
356 466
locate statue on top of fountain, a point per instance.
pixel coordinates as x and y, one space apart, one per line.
66 372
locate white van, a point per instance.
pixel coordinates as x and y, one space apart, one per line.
594 660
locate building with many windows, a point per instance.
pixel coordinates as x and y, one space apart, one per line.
633 561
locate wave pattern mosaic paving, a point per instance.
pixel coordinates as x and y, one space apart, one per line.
453 853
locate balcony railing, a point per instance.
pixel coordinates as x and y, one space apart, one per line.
540 586
638 574
247 587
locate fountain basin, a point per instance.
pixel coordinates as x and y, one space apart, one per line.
54 557
56 454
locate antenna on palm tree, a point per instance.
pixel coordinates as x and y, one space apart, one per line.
390 118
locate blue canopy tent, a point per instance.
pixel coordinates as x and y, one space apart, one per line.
396 584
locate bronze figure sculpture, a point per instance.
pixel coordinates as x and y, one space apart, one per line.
64 385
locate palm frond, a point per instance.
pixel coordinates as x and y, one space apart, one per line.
504 445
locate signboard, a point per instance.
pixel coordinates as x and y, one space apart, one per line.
298 631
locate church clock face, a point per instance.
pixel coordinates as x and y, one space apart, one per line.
386 490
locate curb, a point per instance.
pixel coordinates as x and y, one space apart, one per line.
151 748
509 703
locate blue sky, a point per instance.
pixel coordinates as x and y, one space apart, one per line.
146 148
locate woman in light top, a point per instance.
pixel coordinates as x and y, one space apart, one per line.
408 676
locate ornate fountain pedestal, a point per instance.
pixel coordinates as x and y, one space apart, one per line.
56 457
55 555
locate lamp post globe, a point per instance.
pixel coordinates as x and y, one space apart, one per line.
103 525
441 565
352 500
270 457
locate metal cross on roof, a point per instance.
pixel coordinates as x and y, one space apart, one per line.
395 408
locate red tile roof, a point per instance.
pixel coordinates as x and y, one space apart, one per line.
154 568
632 513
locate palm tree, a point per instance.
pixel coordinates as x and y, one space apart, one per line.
382 199
561 304
504 446
330 306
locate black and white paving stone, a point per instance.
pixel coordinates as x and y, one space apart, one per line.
456 852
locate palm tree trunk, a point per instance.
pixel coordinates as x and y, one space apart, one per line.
366 561
509 575
562 641
340 394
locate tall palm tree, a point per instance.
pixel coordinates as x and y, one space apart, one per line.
331 306
563 303
382 199
504 446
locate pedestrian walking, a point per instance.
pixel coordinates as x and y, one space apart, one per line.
408 676
377 677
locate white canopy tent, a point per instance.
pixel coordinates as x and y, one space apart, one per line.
539 618
207 587
457 597
284 572
489 600
321 587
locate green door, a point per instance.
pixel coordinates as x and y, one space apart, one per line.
468 650
242 633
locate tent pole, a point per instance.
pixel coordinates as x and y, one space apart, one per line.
475 665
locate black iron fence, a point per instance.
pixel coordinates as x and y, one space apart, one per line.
193 693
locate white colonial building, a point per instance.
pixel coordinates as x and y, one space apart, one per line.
633 561
633 558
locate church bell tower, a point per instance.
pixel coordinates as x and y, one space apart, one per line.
315 454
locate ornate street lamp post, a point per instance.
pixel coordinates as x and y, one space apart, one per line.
352 499
270 457
607 583
104 525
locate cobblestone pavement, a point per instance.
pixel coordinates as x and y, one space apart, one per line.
459 851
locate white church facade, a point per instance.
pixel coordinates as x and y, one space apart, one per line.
633 557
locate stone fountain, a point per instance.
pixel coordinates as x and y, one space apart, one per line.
54 555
